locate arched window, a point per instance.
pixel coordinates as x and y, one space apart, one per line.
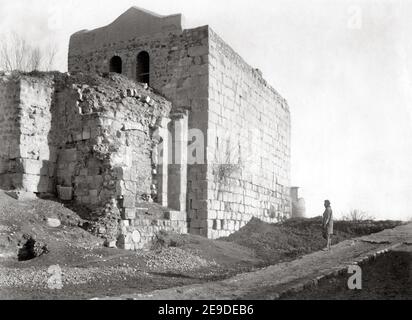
143 67
116 64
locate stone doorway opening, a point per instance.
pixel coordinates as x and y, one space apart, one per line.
116 64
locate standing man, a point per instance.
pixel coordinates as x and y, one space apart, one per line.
327 225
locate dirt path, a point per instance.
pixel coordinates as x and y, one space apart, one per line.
285 278
387 277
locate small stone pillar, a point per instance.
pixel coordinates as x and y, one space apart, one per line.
163 162
298 204
294 193
177 182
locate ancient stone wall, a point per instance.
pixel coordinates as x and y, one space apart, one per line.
9 131
237 176
249 165
106 162
91 141
27 125
38 153
107 139
178 70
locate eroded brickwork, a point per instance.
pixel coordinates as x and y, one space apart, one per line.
25 133
9 131
90 140
179 70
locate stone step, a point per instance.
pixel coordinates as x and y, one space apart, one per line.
175 215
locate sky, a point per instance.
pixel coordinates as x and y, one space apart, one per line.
344 67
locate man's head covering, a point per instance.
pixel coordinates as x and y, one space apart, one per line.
327 202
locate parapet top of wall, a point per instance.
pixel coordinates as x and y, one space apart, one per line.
96 94
134 23
26 78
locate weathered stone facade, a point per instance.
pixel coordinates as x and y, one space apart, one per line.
9 131
89 140
212 154
178 70
198 71
26 119
249 128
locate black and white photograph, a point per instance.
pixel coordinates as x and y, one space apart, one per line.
231 151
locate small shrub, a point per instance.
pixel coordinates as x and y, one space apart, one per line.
357 215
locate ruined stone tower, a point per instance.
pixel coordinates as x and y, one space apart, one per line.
210 143
198 72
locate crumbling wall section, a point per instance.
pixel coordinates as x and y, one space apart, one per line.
26 124
106 159
38 155
91 140
9 131
179 70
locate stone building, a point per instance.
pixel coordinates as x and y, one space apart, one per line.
195 129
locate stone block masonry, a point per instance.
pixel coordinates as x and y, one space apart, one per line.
89 140
178 70
138 233
25 125
249 171
194 129
9 132
244 167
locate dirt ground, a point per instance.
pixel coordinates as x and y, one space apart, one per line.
388 277
87 270
300 276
